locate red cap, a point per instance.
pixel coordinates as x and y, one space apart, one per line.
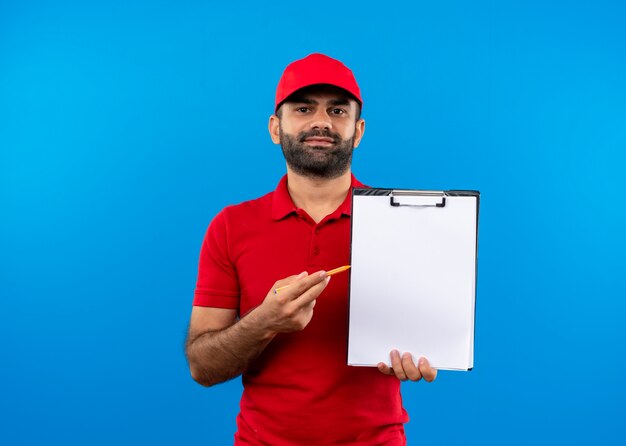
316 69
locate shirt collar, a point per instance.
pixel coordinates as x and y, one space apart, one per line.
282 204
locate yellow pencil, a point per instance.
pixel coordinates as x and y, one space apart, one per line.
338 270
328 273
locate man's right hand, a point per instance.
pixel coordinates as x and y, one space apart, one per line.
219 347
291 308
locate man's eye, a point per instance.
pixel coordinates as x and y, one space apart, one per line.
337 111
302 109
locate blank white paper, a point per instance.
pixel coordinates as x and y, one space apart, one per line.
413 281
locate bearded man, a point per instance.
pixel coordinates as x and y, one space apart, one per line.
291 347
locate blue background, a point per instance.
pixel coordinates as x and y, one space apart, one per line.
126 126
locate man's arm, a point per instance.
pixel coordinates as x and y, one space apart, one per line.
215 338
220 348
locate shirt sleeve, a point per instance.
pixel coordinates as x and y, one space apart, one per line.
217 284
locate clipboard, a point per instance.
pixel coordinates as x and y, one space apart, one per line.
413 276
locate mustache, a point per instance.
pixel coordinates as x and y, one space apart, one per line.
323 133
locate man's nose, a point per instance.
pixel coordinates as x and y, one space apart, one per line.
321 120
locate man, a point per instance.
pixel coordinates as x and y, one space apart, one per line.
290 347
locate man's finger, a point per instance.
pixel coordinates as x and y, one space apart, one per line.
384 368
396 365
310 293
283 284
293 287
410 369
426 370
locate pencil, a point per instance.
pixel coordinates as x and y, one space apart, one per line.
328 273
338 270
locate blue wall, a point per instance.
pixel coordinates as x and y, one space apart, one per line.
125 128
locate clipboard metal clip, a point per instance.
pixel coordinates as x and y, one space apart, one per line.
417 198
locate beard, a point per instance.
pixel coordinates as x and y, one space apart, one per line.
315 161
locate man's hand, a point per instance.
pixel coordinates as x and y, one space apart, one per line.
404 368
291 308
219 347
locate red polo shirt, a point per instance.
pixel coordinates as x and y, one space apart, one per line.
300 390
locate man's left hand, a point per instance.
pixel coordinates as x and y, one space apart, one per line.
404 368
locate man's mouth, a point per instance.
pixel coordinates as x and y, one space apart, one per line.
323 141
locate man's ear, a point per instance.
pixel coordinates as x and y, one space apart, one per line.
358 132
274 128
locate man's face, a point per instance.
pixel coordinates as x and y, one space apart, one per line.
318 130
